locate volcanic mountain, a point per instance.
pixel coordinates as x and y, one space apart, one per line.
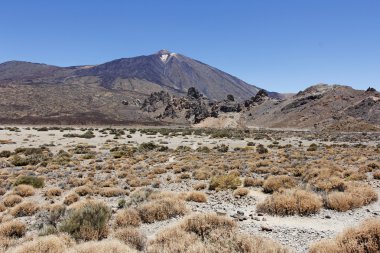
109 92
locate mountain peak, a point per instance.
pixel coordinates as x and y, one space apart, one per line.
164 52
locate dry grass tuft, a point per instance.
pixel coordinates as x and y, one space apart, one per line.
24 209
53 192
105 246
13 228
252 182
131 237
355 196
71 198
161 209
365 238
127 217
209 233
241 192
275 183
24 190
291 202
376 174
44 244
196 196
12 200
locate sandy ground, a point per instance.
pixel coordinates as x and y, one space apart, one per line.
296 232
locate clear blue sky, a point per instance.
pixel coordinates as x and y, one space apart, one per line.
280 45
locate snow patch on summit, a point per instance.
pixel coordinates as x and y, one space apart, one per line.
164 57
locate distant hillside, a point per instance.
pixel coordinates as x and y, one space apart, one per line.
321 107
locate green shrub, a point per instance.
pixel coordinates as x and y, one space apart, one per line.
87 221
261 149
224 182
5 153
36 182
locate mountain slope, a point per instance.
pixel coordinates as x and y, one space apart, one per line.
320 106
110 92
174 72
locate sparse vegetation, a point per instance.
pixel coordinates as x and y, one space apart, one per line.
87 220
88 194
364 238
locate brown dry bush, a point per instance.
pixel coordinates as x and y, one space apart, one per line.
131 237
2 207
44 244
71 198
105 246
199 186
252 182
111 192
275 183
13 228
376 175
24 209
83 190
291 202
161 209
325 179
240 192
355 196
210 233
127 217
196 196
364 238
53 192
201 174
12 200
24 190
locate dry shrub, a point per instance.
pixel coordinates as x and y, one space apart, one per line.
376 175
71 198
209 233
161 209
44 244
253 182
196 196
355 196
111 192
56 212
354 175
127 217
105 246
364 238
291 202
53 192
83 190
325 179
224 182
12 200
24 209
13 228
241 192
2 207
201 174
199 186
24 190
2 191
159 170
87 220
275 183
132 237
